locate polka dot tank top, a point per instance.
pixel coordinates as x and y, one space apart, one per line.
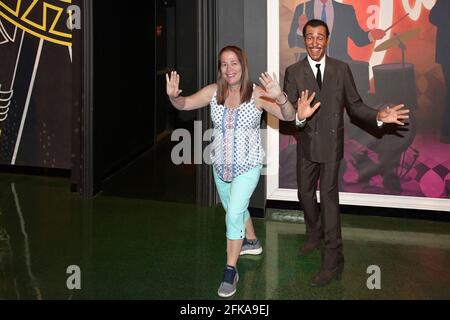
236 146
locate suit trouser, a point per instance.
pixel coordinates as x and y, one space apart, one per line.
322 224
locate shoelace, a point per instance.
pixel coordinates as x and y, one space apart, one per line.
252 243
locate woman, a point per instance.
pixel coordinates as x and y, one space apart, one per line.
236 108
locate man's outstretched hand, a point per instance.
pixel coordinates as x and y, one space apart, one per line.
304 105
394 114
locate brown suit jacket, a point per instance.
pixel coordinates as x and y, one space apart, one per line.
321 139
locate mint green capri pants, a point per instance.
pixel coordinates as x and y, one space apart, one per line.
235 198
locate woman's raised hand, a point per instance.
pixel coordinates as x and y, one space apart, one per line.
271 87
172 85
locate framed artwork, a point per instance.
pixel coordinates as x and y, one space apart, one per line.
407 168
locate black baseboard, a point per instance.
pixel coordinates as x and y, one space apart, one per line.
35 171
441 216
285 205
398 213
257 212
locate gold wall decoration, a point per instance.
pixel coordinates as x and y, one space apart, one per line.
45 19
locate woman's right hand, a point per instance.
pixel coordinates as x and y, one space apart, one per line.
172 85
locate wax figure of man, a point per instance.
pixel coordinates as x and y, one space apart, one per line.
321 141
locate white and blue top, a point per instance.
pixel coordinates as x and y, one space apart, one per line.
236 147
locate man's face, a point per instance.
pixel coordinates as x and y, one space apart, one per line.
316 42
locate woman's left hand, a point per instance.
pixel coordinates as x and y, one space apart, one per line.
271 87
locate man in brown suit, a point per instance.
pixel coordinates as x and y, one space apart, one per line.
321 141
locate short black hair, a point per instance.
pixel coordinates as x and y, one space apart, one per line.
316 23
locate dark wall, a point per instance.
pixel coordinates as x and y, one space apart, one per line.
132 54
124 84
244 23
176 49
186 53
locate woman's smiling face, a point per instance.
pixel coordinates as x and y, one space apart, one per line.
231 68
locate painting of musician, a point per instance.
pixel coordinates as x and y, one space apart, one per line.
439 17
342 22
381 42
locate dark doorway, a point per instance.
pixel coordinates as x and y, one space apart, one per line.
133 118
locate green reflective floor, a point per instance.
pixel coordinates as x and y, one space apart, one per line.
143 249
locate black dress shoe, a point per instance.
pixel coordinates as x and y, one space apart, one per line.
324 277
307 249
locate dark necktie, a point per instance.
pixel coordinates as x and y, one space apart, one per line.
324 14
319 76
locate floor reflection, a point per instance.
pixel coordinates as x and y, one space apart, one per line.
404 258
15 254
142 249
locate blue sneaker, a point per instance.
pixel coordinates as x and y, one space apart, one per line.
251 247
227 287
